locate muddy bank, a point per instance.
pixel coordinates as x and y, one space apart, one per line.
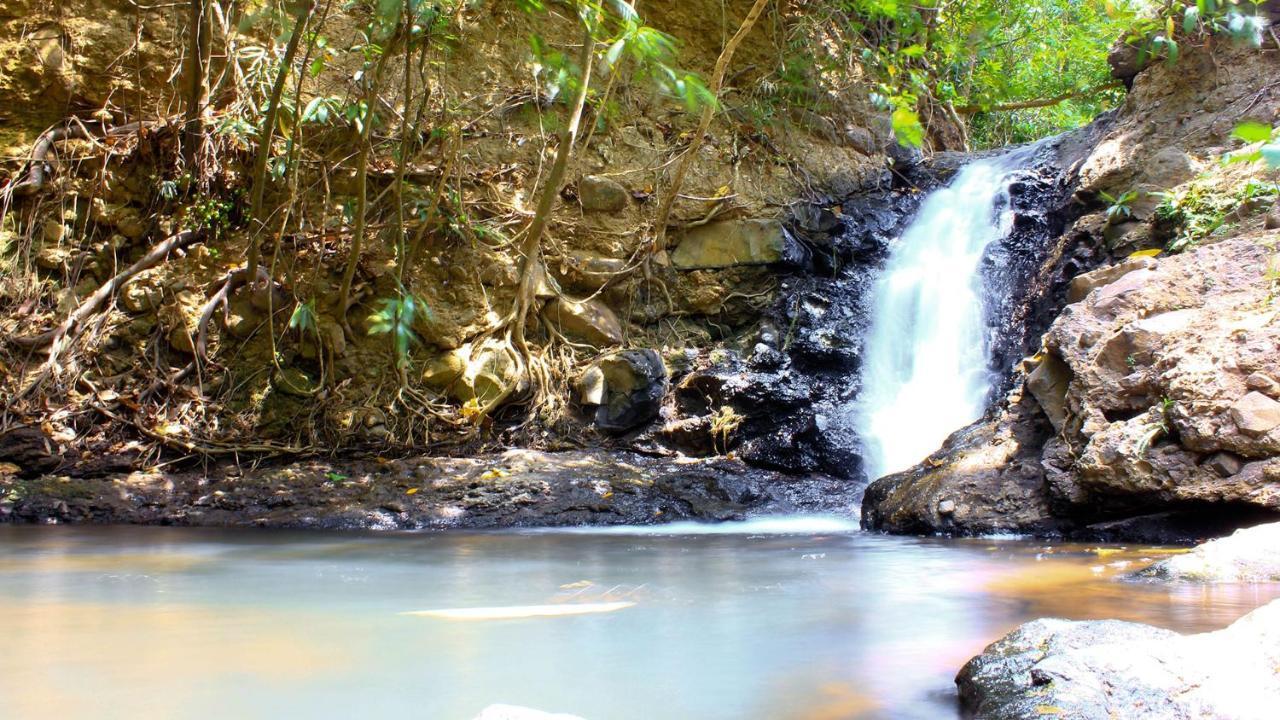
518 488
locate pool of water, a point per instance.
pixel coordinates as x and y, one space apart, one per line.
780 620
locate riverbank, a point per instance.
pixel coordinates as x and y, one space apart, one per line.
517 488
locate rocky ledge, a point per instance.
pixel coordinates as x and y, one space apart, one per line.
1152 409
1251 555
1110 669
518 488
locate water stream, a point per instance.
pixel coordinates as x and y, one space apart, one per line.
779 620
926 371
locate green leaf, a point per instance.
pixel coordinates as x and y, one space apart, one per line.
907 128
1251 131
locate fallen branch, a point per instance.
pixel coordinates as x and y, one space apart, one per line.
1039 103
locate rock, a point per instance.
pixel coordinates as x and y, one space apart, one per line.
1108 669
182 340
55 232
1263 383
1165 413
517 488
624 389
733 243
1048 384
54 257
1223 464
1251 555
514 712
141 296
1084 284
1126 61
296 382
1272 220
481 373
1256 414
127 221
989 473
1112 295
589 272
591 321
601 194
862 140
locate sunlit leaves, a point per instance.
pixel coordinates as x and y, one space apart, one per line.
1255 132
396 317
907 127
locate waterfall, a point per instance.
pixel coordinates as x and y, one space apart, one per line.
926 365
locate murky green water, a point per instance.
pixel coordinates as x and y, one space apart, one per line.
804 619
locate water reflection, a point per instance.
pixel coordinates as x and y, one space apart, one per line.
825 623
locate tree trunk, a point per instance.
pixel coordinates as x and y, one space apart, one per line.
369 97
704 124
266 135
531 245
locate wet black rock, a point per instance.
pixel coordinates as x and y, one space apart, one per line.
624 390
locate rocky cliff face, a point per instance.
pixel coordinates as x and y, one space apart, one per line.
1157 389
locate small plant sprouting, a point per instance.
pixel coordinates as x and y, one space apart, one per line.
396 316
1120 208
724 422
335 477
1156 428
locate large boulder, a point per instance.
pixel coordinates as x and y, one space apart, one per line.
1250 555
1108 669
734 242
987 478
624 390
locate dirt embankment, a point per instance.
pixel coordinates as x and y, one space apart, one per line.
152 375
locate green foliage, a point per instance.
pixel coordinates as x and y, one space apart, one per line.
1159 36
1121 208
981 55
396 317
724 422
304 318
212 214
1265 137
618 28
1201 210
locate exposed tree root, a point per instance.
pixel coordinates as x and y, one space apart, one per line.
233 281
65 334
37 171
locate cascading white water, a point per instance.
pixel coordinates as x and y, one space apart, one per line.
925 372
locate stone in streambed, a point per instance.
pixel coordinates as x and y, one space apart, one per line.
1251 555
1108 669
